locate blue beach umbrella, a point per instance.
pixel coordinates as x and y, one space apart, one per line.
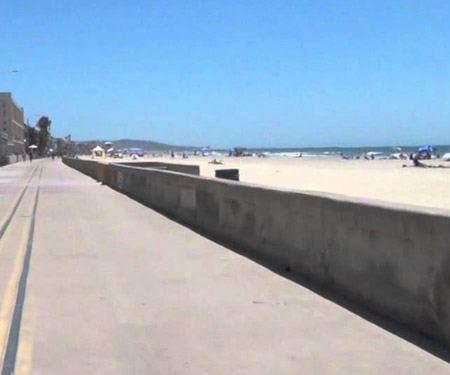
428 149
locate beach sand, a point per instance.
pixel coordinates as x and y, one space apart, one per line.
383 180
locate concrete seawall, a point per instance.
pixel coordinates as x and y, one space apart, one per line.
393 259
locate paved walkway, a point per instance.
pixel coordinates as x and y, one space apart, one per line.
115 288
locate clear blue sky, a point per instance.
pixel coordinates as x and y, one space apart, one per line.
222 73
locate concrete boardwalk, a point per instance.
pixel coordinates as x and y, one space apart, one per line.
115 288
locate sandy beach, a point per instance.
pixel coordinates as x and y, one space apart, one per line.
384 180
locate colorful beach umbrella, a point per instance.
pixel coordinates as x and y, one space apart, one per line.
428 149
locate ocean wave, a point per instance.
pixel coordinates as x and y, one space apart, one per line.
293 154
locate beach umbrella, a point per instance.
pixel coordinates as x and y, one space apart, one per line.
428 149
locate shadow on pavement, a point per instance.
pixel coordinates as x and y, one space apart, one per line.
422 341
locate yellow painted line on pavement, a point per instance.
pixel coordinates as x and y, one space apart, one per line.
26 340
10 296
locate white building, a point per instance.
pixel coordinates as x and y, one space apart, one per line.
12 128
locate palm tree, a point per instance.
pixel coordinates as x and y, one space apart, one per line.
44 125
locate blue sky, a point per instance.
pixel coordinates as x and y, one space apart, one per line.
221 73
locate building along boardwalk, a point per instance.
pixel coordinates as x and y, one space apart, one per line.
112 287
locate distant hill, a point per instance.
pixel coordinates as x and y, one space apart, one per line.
145 145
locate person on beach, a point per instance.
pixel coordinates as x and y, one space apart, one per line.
417 163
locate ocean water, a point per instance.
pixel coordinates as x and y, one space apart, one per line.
331 152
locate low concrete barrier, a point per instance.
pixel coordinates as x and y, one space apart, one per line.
393 259
88 167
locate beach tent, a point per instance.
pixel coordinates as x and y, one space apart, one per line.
98 152
446 156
